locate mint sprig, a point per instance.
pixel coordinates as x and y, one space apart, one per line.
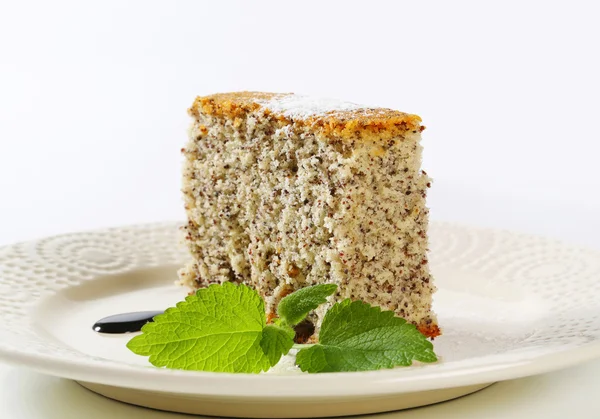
223 328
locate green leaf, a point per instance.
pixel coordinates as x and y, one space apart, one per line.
295 307
276 341
220 328
357 337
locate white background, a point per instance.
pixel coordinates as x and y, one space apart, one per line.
93 99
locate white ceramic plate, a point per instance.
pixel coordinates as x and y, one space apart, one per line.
510 305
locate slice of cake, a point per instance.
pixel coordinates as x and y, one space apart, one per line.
284 191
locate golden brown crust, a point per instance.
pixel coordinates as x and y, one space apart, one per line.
364 123
431 330
229 105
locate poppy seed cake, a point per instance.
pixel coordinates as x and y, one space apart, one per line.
284 191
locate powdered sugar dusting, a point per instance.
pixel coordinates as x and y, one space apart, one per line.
302 107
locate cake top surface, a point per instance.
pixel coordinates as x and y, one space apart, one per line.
329 116
302 107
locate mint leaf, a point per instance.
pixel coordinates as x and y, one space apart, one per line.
294 308
276 341
220 328
357 337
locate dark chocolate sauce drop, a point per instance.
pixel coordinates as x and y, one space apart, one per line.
304 330
125 323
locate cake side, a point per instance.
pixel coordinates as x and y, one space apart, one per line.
379 229
279 204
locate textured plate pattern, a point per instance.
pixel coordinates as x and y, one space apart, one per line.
562 281
30 271
565 279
